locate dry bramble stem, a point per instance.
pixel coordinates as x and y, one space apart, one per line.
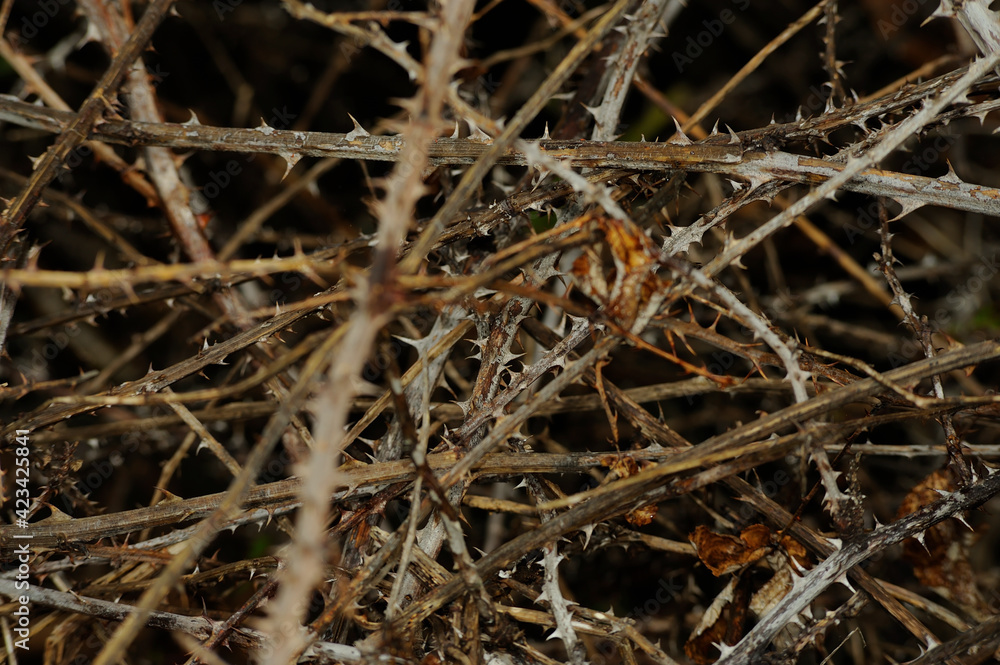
488 383
81 123
725 154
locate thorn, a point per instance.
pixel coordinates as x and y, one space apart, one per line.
951 177
358 131
733 138
478 135
961 519
843 580
908 207
291 159
679 137
264 128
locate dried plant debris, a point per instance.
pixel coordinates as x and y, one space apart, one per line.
940 555
784 559
499 332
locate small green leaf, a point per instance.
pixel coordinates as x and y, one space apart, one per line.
541 221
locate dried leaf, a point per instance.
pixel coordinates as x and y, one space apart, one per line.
940 557
723 553
642 516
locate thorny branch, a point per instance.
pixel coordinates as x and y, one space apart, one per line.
463 303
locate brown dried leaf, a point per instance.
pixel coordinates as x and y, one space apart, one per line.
776 588
589 276
619 466
624 466
635 258
723 553
642 516
624 287
797 551
942 560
